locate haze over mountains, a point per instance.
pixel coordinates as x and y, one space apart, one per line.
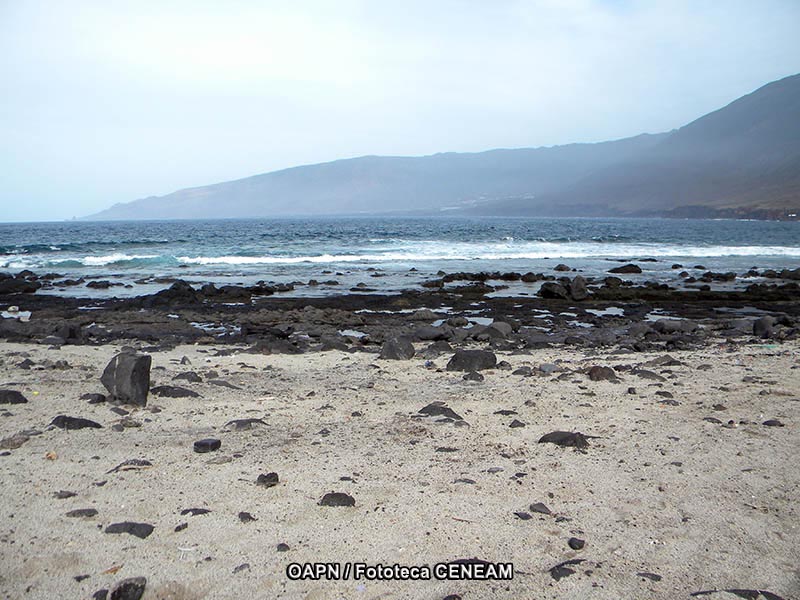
742 160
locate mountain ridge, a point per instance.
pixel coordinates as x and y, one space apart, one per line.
742 160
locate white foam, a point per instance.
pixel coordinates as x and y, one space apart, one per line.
511 250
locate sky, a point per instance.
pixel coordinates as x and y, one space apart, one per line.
108 101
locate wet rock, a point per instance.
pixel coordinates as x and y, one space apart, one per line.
267 480
73 423
82 512
566 439
577 288
423 314
629 268
440 410
173 391
562 267
128 589
282 547
12 397
397 348
472 360
127 378
207 445
140 530
337 499
674 326
553 290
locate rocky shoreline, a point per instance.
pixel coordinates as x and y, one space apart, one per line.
454 308
609 438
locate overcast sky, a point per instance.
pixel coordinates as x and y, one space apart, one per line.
110 101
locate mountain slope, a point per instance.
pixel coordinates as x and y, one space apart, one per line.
387 184
741 160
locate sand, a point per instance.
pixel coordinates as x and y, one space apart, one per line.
660 491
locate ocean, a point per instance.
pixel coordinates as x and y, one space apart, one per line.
387 254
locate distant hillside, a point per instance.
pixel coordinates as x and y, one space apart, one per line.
375 184
742 160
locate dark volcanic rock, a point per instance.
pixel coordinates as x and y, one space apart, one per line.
762 328
140 530
174 391
440 410
195 511
773 423
94 398
82 512
630 268
18 285
337 499
598 373
207 445
577 288
562 569
128 589
397 348
576 543
189 376
515 424
539 507
565 438
12 397
473 376
551 289
179 292
472 360
72 423
127 378
268 480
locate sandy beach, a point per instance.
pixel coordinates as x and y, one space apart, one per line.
667 503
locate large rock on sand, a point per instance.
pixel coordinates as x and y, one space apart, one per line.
472 360
127 378
397 348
